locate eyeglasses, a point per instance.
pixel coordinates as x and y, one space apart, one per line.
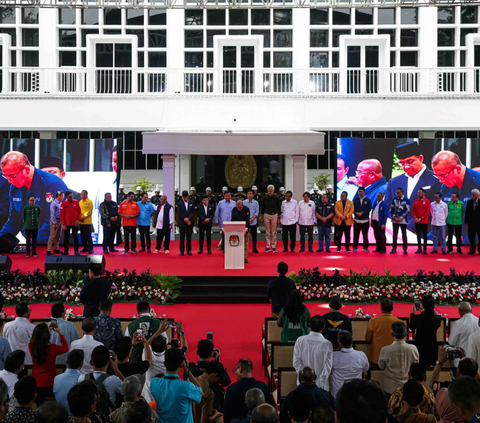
12 177
445 175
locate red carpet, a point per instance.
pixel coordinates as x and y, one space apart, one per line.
265 264
237 327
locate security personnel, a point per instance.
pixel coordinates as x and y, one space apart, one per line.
330 195
196 201
211 197
122 195
138 196
221 196
281 194
240 195
156 198
178 197
26 180
316 197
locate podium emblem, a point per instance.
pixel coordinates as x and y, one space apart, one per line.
234 240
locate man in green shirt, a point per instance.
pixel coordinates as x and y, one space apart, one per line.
31 214
456 210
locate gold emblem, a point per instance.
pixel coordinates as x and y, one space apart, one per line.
240 171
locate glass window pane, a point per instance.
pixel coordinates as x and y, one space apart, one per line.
468 15
194 59
238 16
341 16
282 16
282 59
364 16
65 16
282 38
140 162
446 37
30 58
67 37
140 36
157 59
68 58
260 16
408 58
386 16
211 33
157 38
27 147
86 32
135 16
112 16
78 152
193 17
336 36
13 36
409 15
193 38
30 15
318 16
266 59
319 59
238 32
209 59
335 59
390 32
446 58
446 15
408 38
216 17
364 32
30 37
152 161
157 17
141 59
7 16
318 38
464 33
266 36
89 16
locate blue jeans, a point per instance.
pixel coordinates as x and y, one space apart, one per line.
438 233
324 231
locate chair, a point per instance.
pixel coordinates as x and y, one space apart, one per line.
362 346
376 374
272 334
286 383
281 356
451 322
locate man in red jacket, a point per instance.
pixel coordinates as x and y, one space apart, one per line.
420 211
70 215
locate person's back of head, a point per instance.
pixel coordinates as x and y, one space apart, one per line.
205 349
89 325
21 310
132 388
57 310
123 347
26 390
317 323
386 306
215 367
418 372
51 412
253 398
3 399
282 268
265 413
428 303
82 398
139 412
244 368
299 411
361 401
174 359
464 308
399 330
335 303
105 306
464 393
15 361
143 307
100 357
323 414
307 376
159 344
413 393
75 359
96 269
345 339
467 367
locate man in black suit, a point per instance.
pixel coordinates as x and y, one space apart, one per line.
205 214
472 220
185 209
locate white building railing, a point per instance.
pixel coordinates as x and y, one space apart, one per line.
384 82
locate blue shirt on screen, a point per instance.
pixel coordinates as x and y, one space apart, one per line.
146 211
5 349
63 383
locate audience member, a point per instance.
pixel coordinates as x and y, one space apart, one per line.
19 332
464 394
466 367
253 398
473 350
235 407
413 392
84 402
51 412
426 325
25 394
94 290
335 322
396 359
44 355
13 366
323 415
108 329
427 405
265 413
299 410
123 351
314 351
86 343
347 364
445 409
315 396
379 331
461 329
65 381
67 328
157 345
361 401
205 411
3 399
4 348
279 289
173 396
293 318
140 412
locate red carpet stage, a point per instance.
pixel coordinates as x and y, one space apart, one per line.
262 264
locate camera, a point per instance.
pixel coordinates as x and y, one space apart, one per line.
54 323
210 336
417 304
453 353
112 353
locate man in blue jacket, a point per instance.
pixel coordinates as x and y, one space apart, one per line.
399 211
379 220
363 207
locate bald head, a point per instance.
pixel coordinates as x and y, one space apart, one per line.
368 172
446 157
372 164
14 158
17 169
307 376
265 413
449 169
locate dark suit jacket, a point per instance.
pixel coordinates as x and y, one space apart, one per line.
427 181
201 214
183 213
472 217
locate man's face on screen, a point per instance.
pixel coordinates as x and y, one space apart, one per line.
411 165
341 169
54 171
114 161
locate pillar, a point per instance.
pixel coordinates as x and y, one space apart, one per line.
288 180
299 176
185 168
169 182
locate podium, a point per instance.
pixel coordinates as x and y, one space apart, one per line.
234 245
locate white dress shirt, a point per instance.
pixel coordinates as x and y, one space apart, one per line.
375 211
306 213
87 344
347 364
413 180
160 216
289 212
462 329
10 380
18 334
473 350
439 213
157 367
314 351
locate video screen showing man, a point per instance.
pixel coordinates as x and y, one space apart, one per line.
343 184
54 166
369 174
26 180
4 201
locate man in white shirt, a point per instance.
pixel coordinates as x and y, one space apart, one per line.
347 363
13 366
306 220
165 220
87 344
289 219
473 350
462 329
19 332
314 351
397 358
439 211
158 345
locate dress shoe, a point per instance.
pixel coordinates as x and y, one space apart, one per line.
35 255
28 255
328 251
471 253
292 251
199 252
339 250
49 253
57 252
84 250
255 251
245 261
302 250
65 253
90 252
366 250
419 251
113 250
134 251
319 251
459 252
189 253
444 253
348 251
310 250
77 253
405 252
375 251
141 250
181 254
424 251
210 251
285 251
149 250
393 252
354 250
433 252
105 252
382 252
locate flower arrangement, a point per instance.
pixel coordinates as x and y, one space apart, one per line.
360 314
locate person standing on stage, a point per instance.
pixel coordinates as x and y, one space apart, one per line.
110 222
421 210
472 220
146 211
271 209
399 211
306 220
186 211
289 219
456 210
165 221
242 214
439 211
324 213
70 215
223 213
330 195
31 215
129 211
254 208
379 220
55 224
343 220
363 207
86 208
205 214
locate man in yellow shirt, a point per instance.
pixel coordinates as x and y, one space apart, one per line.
86 207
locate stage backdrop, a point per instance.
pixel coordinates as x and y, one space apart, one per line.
383 165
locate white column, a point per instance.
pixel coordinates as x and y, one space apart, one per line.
299 176
301 55
288 180
427 42
48 38
185 182
169 182
175 50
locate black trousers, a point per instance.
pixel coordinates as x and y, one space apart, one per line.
288 230
339 231
304 229
86 235
109 237
457 229
253 236
130 232
472 232
396 227
363 228
186 231
422 230
31 235
66 239
380 237
163 234
205 231
145 234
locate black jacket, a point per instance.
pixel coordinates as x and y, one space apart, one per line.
183 213
472 217
202 216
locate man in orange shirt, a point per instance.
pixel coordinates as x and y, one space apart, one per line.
379 331
70 215
420 211
129 212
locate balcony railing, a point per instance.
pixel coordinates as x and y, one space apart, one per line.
316 82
